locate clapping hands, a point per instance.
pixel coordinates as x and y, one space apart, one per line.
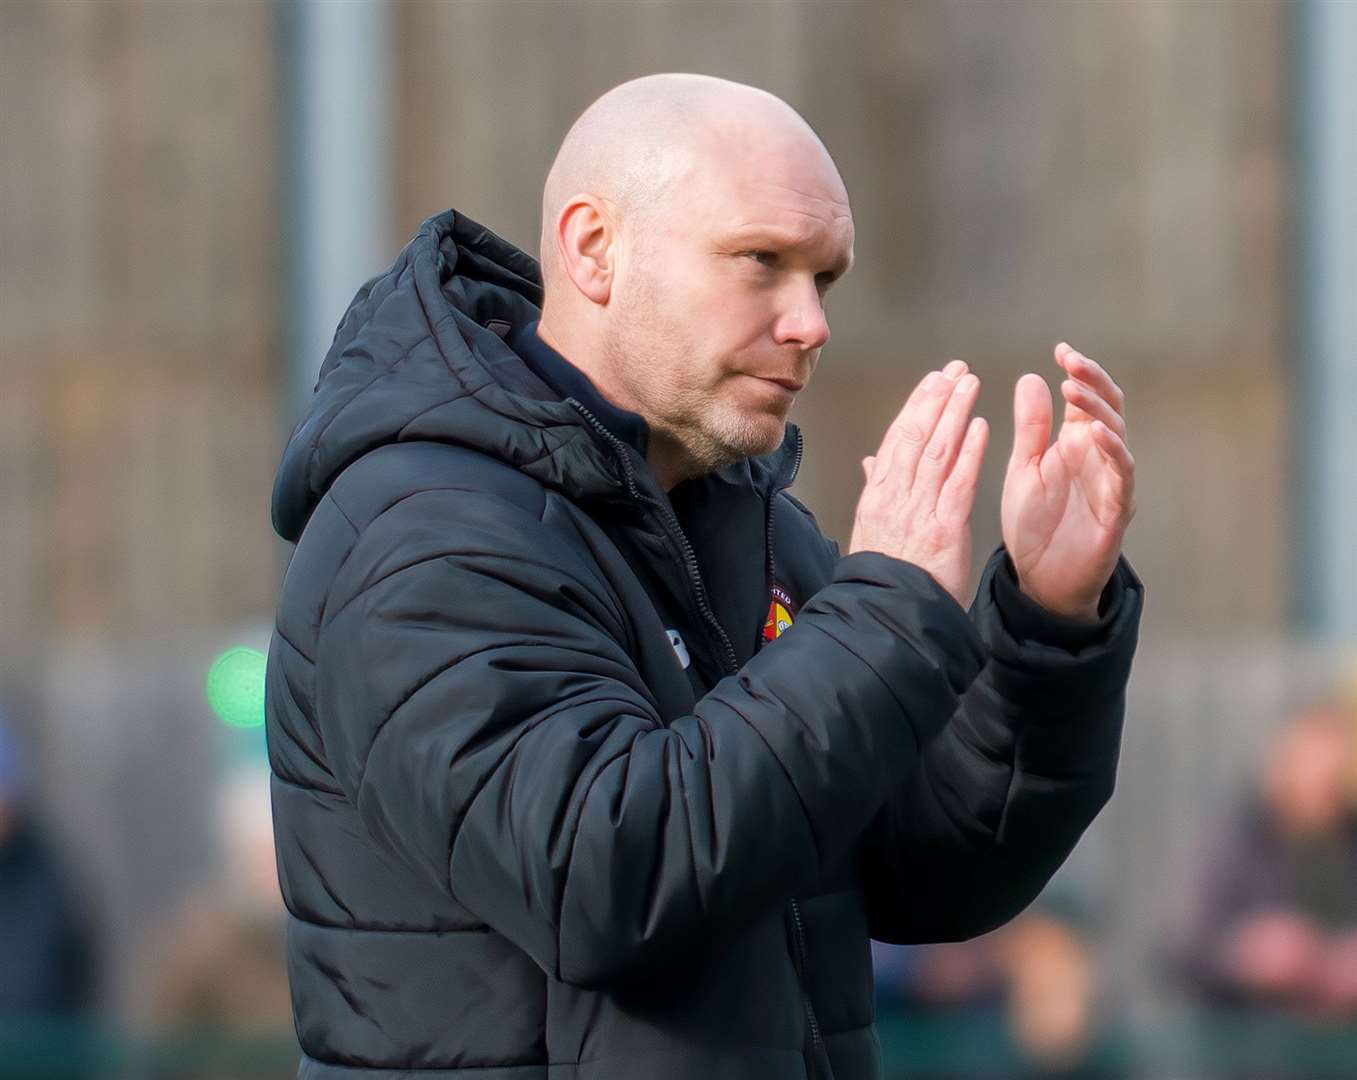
1066 504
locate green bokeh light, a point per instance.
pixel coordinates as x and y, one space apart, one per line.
235 687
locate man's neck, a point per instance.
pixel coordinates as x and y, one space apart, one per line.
667 457
582 355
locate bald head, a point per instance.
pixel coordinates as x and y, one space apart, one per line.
638 142
691 228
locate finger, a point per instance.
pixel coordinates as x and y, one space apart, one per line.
1032 412
910 431
1122 479
958 493
867 464
952 370
1114 448
945 443
1090 372
1084 404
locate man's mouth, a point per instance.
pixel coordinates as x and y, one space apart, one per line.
787 384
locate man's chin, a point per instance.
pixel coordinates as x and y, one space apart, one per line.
774 440
761 434
728 435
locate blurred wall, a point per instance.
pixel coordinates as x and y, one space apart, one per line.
139 427
1115 174
138 343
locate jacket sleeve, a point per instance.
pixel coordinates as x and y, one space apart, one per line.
480 708
997 801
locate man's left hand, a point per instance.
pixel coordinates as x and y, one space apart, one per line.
1066 504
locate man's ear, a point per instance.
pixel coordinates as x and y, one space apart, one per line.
585 242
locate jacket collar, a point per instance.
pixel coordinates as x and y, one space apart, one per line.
568 381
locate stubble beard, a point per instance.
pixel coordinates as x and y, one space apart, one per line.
712 430
719 433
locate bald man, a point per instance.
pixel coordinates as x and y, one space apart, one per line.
593 758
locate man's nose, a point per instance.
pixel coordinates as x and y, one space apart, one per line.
803 321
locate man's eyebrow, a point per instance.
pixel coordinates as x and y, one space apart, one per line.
750 237
765 234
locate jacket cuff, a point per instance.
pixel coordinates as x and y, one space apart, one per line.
1026 620
1058 679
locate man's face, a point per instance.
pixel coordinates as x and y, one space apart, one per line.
719 316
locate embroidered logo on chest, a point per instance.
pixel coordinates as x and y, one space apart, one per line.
779 613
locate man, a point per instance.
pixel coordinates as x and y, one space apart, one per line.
593 758
48 951
214 972
1274 928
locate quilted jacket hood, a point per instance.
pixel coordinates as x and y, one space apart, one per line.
420 356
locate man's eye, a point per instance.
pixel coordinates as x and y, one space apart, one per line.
765 258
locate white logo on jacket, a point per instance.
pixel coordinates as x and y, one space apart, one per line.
680 649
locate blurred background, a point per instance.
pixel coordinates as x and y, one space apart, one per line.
192 190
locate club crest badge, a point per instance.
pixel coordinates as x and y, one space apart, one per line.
779 613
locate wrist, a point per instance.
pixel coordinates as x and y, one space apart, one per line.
1084 612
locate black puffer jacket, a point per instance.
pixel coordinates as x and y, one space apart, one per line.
517 837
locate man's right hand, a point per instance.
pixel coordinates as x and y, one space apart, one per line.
921 483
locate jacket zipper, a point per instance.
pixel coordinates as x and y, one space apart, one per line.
815 1037
772 496
729 661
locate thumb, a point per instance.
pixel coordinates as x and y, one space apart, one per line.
867 464
1031 420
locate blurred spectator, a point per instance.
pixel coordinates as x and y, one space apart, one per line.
1275 925
218 1000
46 946
962 976
1026 994
1052 996
1023 1000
